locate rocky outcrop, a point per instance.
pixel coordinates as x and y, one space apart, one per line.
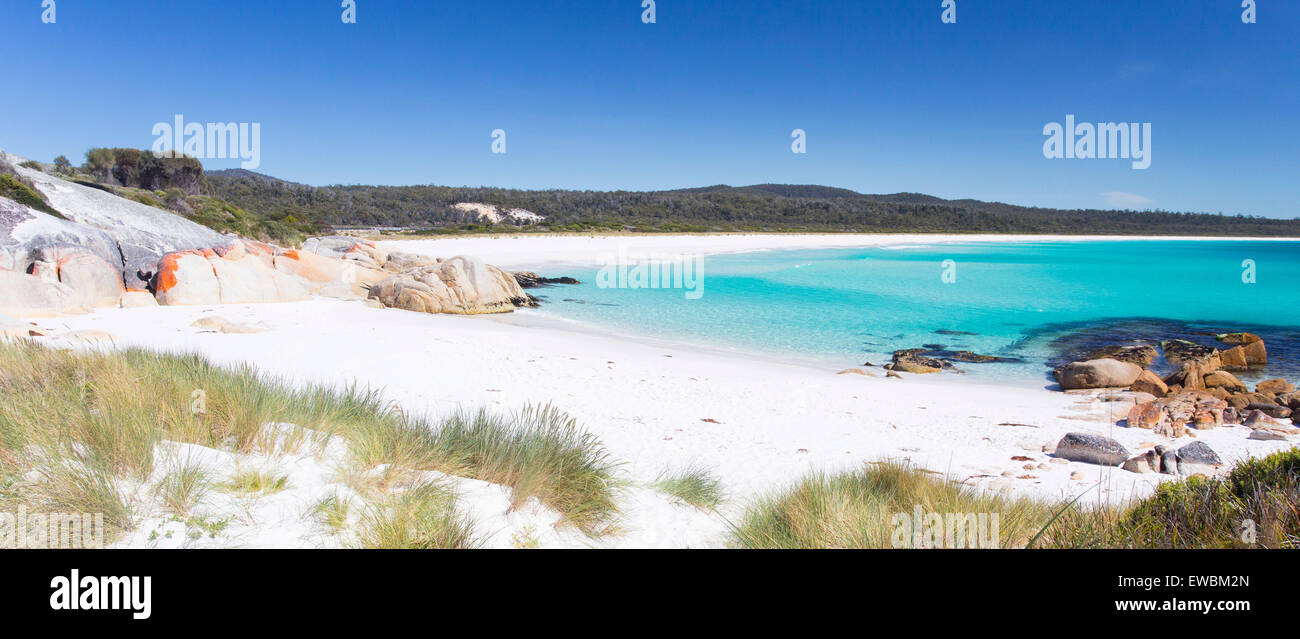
138 234
460 285
1097 373
1172 416
1244 357
1091 449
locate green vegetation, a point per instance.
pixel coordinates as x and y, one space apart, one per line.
693 485
760 208
1257 505
252 482
422 516
857 510
540 453
79 420
12 187
182 488
17 188
178 185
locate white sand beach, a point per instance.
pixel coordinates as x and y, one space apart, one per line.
757 424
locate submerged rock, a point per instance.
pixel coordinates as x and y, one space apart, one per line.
1178 351
528 279
1238 339
1141 355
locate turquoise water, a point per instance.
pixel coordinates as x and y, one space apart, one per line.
1039 302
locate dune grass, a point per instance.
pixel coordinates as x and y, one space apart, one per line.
91 422
693 485
420 516
252 482
1256 505
859 509
183 487
540 453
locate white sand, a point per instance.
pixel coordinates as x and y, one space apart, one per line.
648 403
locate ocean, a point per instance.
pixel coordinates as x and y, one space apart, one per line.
1036 304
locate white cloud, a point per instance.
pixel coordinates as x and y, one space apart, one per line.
1120 199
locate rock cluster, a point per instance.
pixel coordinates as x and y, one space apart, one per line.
108 252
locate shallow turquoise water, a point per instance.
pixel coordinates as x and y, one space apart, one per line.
1014 299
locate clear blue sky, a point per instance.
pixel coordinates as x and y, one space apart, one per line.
591 98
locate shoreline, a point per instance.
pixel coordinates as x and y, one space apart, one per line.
524 251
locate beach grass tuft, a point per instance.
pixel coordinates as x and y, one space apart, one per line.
540 453
420 516
693 485
183 487
254 482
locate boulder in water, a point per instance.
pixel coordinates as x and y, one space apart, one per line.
1238 339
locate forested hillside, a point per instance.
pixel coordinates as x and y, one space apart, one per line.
767 207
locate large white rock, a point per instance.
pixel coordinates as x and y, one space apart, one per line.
96 282
460 285
186 279
23 295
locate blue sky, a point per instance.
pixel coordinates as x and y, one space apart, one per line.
891 98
